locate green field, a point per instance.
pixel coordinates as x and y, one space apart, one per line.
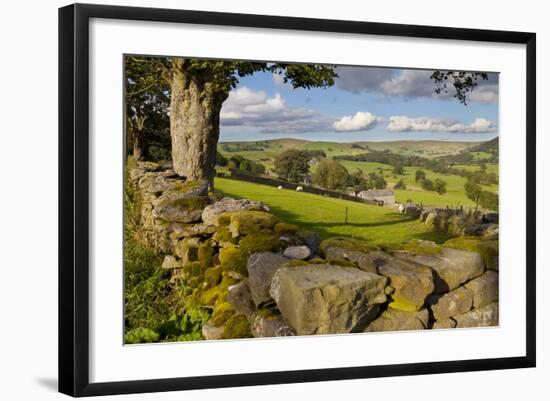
266 151
326 215
455 184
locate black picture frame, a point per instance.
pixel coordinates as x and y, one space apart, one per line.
74 198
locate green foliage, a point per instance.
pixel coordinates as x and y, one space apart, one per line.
400 185
147 102
473 191
420 175
146 287
237 326
463 82
427 185
489 200
440 186
141 335
331 175
292 165
221 160
186 327
376 181
398 169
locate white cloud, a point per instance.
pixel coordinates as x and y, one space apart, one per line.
245 107
361 121
426 124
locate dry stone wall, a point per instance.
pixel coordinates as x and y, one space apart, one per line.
262 277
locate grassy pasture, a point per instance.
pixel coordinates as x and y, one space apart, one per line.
326 215
455 184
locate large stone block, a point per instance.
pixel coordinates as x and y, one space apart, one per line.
211 213
261 268
412 282
453 303
270 326
481 317
484 289
396 320
182 208
326 299
453 267
239 296
362 259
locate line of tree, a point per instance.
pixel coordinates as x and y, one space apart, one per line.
486 199
438 165
240 163
438 185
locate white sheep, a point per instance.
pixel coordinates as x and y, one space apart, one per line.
299 188
280 187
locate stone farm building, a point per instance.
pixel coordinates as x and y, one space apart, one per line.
386 196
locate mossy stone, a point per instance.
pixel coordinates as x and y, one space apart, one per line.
221 313
233 259
237 327
342 262
488 249
218 293
251 221
260 242
213 276
403 305
205 253
423 247
285 228
223 235
350 244
295 263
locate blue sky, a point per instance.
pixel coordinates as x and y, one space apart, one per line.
364 104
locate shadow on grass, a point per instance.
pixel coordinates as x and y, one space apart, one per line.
324 228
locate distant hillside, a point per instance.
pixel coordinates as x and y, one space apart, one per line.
489 146
271 147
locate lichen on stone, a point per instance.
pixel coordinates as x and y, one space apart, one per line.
422 247
221 313
233 259
213 276
237 327
350 244
285 228
250 221
205 253
260 242
488 249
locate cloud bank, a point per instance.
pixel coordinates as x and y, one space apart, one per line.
408 83
426 124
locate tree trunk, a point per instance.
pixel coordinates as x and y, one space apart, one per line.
139 144
194 123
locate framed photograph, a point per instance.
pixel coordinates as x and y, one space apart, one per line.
251 199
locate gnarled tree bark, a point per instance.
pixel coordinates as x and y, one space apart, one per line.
194 122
